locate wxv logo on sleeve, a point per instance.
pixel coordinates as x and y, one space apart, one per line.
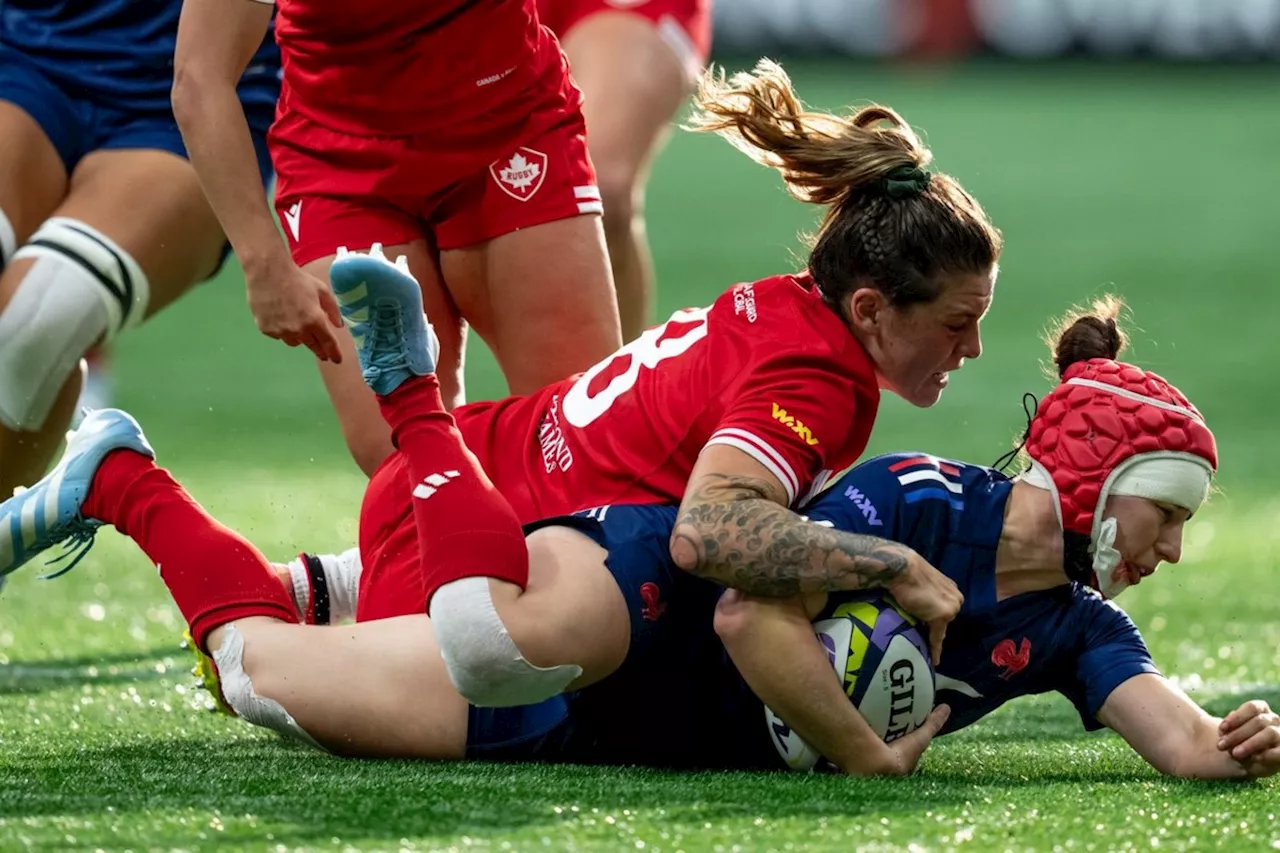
863 503
796 425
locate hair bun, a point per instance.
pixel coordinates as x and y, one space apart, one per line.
1088 333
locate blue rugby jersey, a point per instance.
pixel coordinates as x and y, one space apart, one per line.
1066 639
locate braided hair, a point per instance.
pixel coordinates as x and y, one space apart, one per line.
889 223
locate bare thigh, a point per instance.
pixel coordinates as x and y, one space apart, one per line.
150 204
572 611
366 432
33 181
541 297
632 84
372 689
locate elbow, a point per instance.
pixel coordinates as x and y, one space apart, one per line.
184 95
1178 766
705 540
732 617
688 550
192 89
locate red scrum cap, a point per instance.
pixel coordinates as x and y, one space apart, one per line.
1111 428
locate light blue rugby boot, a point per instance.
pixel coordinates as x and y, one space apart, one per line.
382 305
48 513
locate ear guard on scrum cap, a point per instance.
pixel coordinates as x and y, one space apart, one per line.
1089 439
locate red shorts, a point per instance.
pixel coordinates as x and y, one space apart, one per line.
499 433
334 189
684 24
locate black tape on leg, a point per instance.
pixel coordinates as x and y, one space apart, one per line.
319 590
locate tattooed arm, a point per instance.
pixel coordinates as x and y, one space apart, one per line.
734 528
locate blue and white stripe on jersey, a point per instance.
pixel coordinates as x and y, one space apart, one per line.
926 478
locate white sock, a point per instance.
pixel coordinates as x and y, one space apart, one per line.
301 586
341 576
8 240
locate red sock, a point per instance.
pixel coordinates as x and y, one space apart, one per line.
466 528
213 573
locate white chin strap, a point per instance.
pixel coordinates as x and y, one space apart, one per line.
1106 559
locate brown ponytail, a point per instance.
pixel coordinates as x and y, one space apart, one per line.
889 224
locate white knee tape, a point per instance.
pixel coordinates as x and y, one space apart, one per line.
8 240
483 662
123 287
238 690
82 288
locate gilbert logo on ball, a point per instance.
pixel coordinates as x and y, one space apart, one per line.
883 663
522 175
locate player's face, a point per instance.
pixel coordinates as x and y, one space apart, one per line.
915 348
1148 533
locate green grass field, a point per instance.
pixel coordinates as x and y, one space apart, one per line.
1158 183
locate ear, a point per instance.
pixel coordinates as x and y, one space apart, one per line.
866 308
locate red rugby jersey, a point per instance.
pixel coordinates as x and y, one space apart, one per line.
768 368
402 67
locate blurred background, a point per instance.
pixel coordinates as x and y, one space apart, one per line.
1201 30
1125 146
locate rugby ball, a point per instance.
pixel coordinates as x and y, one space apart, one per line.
883 662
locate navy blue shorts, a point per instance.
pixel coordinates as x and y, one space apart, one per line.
636 539
522 733
78 125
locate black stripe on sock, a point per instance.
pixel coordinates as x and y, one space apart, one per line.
319 590
120 264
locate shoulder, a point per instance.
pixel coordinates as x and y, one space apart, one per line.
915 495
1098 615
921 476
783 307
754 307
780 326
866 498
1095 632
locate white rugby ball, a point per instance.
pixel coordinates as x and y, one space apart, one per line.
884 664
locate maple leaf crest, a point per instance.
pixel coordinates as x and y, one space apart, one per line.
520 172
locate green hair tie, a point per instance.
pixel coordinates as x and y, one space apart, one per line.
906 181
